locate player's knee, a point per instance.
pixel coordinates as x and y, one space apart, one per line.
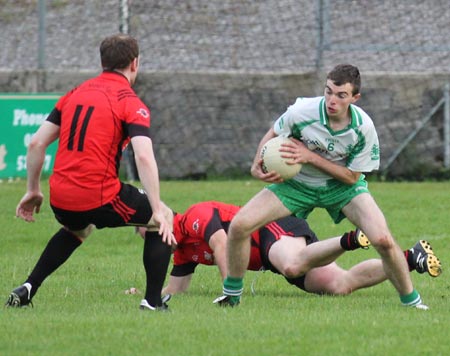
239 228
336 286
292 271
383 242
82 234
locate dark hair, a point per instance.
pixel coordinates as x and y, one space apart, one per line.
346 73
118 51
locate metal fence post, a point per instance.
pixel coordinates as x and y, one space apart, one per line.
124 16
320 33
447 126
413 134
128 153
41 34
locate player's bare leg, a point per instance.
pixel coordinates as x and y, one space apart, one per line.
263 208
365 213
292 257
332 279
260 210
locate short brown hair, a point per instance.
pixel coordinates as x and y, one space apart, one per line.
118 51
346 73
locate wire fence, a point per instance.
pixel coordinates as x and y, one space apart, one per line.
251 54
228 35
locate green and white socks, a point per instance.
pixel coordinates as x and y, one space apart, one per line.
413 300
233 288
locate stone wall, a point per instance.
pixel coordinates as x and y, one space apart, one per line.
210 123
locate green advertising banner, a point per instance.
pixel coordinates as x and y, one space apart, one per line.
20 117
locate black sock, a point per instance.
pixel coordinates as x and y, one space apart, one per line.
156 261
410 259
57 251
348 241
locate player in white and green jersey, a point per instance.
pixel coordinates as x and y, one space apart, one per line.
335 141
355 146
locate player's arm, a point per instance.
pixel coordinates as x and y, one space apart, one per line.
299 153
47 133
180 278
256 169
149 177
218 243
32 200
177 284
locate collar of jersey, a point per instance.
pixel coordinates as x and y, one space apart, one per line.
113 74
324 120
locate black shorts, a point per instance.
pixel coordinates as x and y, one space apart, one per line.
184 269
130 206
291 226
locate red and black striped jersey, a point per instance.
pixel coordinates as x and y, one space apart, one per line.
194 228
97 120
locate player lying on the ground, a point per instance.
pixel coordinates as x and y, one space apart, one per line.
286 246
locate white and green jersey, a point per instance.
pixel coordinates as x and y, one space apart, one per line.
355 147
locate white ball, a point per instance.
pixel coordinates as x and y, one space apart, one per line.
272 160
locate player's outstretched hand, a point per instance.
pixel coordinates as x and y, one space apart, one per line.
165 228
28 205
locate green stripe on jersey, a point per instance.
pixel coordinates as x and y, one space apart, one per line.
298 128
356 117
358 148
323 112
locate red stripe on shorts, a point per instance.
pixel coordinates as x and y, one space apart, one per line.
122 209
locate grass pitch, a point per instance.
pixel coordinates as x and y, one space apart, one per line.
82 309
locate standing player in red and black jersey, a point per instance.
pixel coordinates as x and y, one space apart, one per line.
286 246
94 122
